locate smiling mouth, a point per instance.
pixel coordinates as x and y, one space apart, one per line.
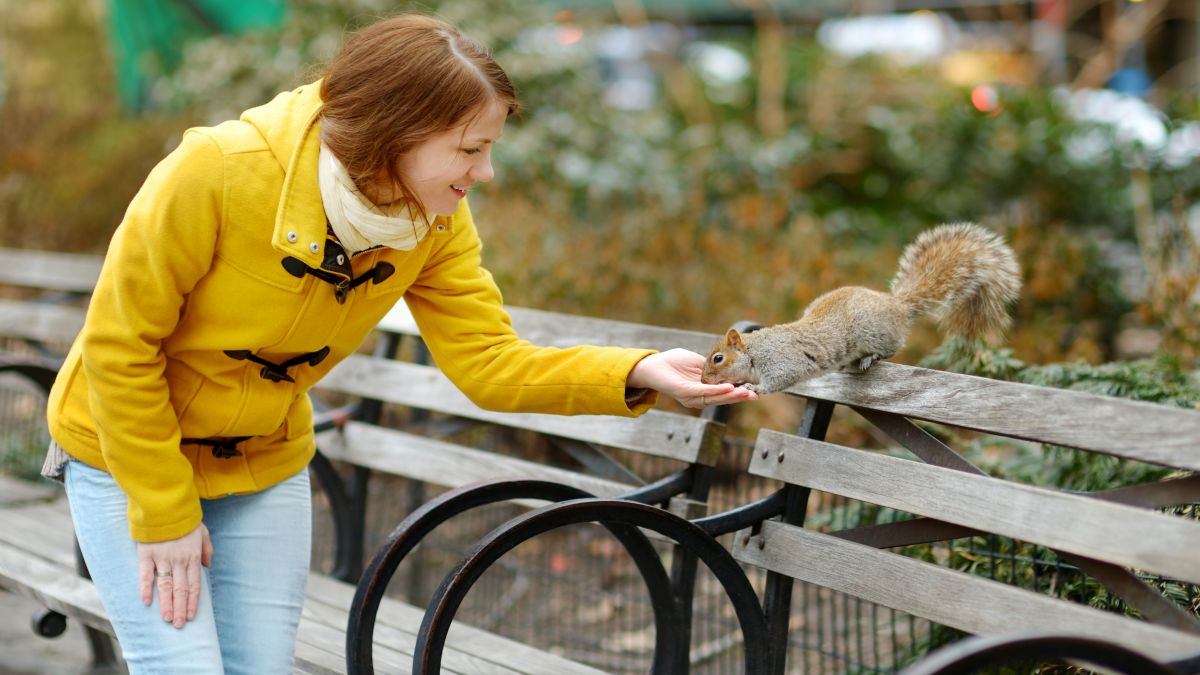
460 191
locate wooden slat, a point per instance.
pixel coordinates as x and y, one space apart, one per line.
468 649
657 433
956 599
1146 432
313 660
395 644
49 270
43 530
553 329
53 585
1093 528
17 491
40 321
442 463
325 643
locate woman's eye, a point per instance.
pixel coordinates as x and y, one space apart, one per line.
471 151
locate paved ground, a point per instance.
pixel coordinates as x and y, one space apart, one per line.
24 653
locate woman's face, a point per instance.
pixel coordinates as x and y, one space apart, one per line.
441 169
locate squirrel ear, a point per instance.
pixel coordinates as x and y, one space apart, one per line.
734 338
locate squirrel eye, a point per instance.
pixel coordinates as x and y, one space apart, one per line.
718 358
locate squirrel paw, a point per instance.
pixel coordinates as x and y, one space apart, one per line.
861 365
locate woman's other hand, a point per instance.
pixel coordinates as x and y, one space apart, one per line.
173 567
676 373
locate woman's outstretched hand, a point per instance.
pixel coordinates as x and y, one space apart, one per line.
676 373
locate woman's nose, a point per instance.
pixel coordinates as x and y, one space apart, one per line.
483 171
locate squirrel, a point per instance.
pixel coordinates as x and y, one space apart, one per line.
960 273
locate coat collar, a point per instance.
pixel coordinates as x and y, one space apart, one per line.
291 126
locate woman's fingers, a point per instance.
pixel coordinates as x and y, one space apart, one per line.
716 394
164 579
193 591
146 580
181 592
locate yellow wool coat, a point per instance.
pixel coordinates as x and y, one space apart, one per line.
216 265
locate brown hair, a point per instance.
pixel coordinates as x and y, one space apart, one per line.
396 83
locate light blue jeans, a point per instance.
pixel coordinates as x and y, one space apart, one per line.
250 599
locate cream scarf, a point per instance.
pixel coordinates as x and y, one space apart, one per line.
357 223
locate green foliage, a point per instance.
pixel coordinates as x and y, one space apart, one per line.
974 357
1160 379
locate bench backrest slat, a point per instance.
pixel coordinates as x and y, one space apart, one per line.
969 603
40 321
441 463
1163 435
74 272
657 433
1077 524
552 329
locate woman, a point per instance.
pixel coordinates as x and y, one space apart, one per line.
256 256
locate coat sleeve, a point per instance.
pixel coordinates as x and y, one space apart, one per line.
161 249
460 313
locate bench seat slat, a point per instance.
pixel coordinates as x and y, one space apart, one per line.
1042 414
468 649
43 530
1093 528
444 464
969 603
325 644
14 491
313 660
53 585
656 433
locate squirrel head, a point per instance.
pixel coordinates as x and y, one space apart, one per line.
729 362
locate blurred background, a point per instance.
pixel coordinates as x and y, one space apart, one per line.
697 162
692 163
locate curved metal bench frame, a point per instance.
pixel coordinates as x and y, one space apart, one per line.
971 654
409 533
609 512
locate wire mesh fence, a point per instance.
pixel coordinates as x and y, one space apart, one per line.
23 434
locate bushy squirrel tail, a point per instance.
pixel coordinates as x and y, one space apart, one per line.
962 275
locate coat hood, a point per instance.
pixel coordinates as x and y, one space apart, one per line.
289 124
